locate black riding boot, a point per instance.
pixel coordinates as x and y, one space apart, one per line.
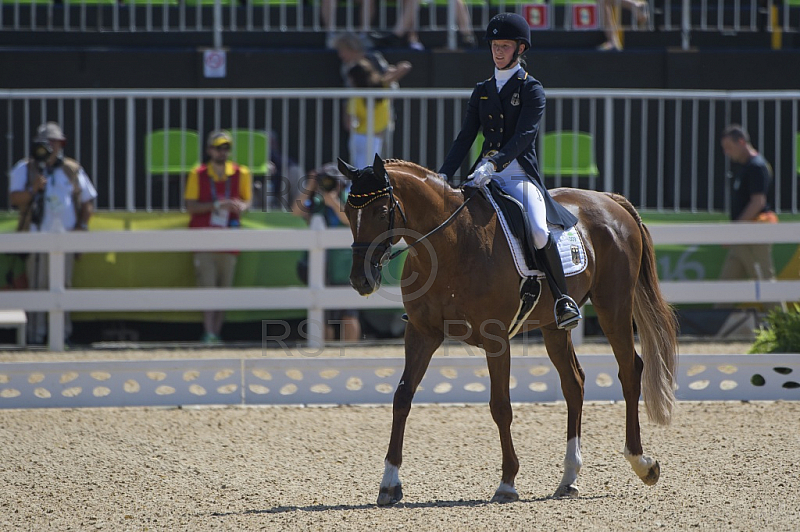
566 310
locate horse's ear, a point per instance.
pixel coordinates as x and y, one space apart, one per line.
348 171
377 167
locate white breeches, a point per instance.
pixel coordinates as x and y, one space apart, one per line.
514 181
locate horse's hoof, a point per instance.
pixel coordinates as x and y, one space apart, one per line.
652 474
390 495
568 491
505 494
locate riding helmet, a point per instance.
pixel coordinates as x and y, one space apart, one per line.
509 26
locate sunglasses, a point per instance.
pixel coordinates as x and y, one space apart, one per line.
222 147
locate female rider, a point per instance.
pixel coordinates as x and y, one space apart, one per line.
508 107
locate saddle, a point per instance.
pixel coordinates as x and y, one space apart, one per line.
530 287
517 229
518 223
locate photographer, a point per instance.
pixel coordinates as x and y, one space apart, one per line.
53 195
320 202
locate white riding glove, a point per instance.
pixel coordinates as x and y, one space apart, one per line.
481 176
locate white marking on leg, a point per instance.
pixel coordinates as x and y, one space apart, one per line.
572 462
507 490
391 475
640 463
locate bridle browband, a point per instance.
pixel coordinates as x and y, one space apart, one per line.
385 247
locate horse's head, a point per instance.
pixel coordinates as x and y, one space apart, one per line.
371 209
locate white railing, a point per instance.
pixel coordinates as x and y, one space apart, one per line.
317 297
160 16
659 148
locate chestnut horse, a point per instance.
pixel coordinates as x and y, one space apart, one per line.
466 287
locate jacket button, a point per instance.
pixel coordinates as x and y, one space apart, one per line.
501 130
493 129
490 117
501 116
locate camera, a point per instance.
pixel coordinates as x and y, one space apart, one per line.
42 150
327 183
328 177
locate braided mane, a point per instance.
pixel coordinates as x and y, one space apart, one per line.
408 164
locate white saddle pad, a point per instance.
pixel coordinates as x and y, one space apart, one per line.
570 247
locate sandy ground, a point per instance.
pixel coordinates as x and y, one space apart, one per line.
725 466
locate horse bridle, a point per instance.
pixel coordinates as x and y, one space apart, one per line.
385 247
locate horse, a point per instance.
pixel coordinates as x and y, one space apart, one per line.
465 287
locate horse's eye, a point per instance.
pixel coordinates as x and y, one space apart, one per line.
384 212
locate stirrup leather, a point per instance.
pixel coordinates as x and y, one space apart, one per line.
570 314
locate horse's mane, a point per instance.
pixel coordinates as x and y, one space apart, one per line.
409 164
417 169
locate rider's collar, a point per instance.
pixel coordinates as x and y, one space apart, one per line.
502 76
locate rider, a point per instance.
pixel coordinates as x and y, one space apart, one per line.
508 107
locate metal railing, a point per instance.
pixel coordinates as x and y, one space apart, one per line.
658 148
159 16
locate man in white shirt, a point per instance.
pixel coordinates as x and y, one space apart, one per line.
53 194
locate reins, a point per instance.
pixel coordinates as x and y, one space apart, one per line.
432 231
385 248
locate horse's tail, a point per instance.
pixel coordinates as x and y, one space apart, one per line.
658 330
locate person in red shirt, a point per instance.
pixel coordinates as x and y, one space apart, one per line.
217 193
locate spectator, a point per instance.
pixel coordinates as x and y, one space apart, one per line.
351 50
321 203
53 195
405 30
364 75
328 15
611 16
217 193
750 185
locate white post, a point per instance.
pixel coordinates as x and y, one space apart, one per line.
56 315
686 21
452 26
130 165
608 133
315 326
217 25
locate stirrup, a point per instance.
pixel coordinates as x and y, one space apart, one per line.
571 314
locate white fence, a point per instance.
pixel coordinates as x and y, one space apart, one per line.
317 297
659 148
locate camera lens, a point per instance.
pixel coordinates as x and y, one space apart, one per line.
42 150
327 183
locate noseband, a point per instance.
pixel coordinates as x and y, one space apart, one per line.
384 248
